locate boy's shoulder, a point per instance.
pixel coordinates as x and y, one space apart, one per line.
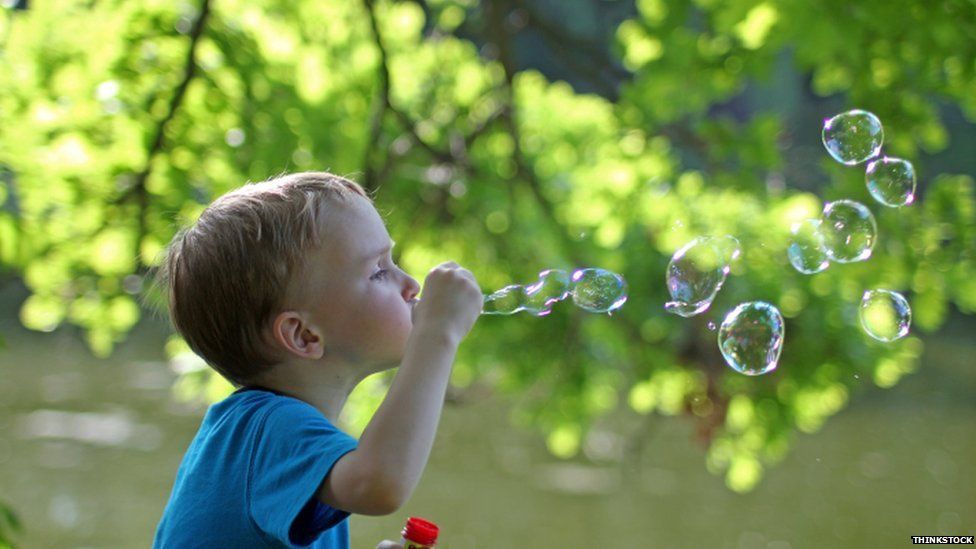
259 398
272 452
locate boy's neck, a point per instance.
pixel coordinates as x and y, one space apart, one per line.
324 387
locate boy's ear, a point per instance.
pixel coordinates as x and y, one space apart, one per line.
296 336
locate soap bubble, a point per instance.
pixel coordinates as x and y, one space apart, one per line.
885 315
697 272
751 338
853 137
891 181
507 301
849 231
593 290
598 290
553 286
807 252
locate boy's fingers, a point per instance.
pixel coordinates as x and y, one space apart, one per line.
465 273
387 544
452 266
455 270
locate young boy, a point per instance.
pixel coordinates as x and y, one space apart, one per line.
288 289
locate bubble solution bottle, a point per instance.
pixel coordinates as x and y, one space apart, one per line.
419 534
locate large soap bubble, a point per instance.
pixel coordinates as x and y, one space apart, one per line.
891 181
849 231
807 251
853 137
751 338
598 290
885 315
697 272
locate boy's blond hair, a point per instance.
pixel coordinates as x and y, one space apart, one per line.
229 273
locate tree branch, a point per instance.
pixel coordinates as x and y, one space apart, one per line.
385 104
509 116
526 172
138 188
380 104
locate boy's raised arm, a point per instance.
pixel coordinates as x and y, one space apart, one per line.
379 476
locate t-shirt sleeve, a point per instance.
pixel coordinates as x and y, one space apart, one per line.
294 451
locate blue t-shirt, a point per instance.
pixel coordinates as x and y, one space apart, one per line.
250 476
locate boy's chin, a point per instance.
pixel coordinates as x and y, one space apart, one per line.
385 365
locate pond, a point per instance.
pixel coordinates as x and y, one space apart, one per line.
89 449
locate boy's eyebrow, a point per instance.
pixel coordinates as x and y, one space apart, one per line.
380 252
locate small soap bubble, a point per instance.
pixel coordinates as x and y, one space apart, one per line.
235 137
711 326
507 301
132 284
849 231
751 338
891 181
552 287
598 290
853 137
807 252
697 272
885 315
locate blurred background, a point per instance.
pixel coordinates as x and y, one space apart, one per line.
512 136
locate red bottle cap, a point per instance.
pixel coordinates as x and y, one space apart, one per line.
420 531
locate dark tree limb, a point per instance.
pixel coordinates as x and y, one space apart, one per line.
157 143
138 189
191 67
384 104
695 354
380 103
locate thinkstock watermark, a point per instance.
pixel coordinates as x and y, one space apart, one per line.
942 540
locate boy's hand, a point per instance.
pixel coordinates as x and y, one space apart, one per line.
452 301
387 544
378 477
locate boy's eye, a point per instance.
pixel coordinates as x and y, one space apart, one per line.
378 274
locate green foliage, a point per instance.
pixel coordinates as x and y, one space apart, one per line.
10 525
123 120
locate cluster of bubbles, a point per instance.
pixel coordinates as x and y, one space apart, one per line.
856 136
847 233
594 290
751 335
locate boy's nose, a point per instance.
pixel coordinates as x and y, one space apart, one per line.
411 288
